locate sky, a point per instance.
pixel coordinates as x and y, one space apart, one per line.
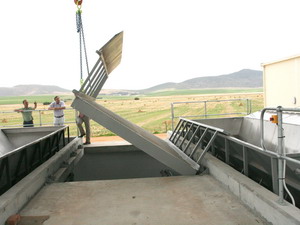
164 40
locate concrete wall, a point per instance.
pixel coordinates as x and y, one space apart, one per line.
282 82
257 198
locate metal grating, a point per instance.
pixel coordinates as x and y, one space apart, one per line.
188 132
109 58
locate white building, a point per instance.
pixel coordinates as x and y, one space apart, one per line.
282 82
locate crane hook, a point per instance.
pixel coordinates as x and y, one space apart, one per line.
78 3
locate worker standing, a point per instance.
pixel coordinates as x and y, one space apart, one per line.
81 118
27 113
58 106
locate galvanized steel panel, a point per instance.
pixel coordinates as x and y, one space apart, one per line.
144 140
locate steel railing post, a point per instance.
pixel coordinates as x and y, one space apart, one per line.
172 115
40 115
281 157
262 139
205 110
281 153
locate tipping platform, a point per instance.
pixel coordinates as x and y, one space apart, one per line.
144 140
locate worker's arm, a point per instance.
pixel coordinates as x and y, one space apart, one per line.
51 106
58 108
62 106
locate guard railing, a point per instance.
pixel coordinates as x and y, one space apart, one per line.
206 110
189 135
280 154
42 117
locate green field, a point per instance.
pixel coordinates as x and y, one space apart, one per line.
151 112
68 98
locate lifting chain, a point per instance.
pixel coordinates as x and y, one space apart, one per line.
81 38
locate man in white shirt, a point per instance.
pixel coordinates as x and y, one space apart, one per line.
58 107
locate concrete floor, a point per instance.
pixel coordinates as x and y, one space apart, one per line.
188 200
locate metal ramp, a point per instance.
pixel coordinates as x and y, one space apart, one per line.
159 149
201 136
165 152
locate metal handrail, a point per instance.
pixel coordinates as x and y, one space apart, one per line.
39 123
278 185
281 154
262 131
34 110
205 115
204 125
224 134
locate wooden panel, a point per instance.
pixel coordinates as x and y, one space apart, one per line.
111 52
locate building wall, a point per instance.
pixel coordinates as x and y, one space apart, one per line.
282 83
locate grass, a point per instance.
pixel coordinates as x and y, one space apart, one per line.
69 98
151 112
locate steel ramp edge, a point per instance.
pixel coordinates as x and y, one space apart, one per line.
139 137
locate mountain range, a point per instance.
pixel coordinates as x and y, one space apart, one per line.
245 78
32 89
